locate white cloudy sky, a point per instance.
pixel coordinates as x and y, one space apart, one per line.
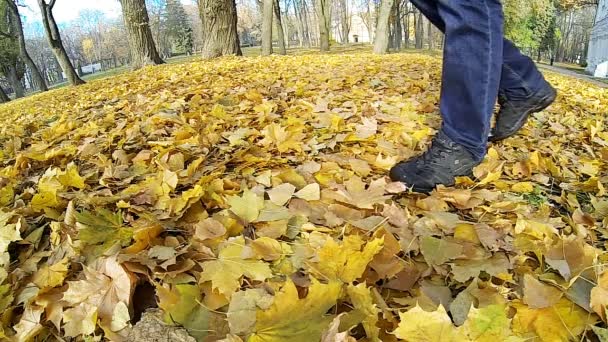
67 10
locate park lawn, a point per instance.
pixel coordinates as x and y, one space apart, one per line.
250 194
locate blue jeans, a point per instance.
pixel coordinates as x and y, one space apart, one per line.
478 62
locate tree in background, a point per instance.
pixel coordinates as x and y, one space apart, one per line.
157 19
267 13
220 35
382 29
54 38
323 8
143 50
17 31
527 21
279 27
10 64
345 19
178 27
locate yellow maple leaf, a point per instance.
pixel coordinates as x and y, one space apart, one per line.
226 272
51 275
292 319
311 192
183 304
29 325
103 287
418 325
357 194
489 324
80 320
71 177
599 296
346 261
361 298
561 322
247 207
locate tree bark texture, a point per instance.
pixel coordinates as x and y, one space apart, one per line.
3 97
429 28
324 16
419 29
279 25
141 44
15 81
382 29
17 28
267 12
220 35
54 38
345 22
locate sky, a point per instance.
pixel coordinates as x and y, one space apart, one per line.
67 10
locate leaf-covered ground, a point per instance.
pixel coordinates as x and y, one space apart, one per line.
248 199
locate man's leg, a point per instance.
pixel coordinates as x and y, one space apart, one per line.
520 77
523 89
473 56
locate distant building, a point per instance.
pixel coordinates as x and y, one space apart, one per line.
358 31
597 59
91 68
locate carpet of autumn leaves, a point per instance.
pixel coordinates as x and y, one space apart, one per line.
247 199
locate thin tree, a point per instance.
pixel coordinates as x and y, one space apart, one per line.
382 30
141 44
17 30
418 29
220 35
345 21
279 25
429 29
54 38
324 17
267 12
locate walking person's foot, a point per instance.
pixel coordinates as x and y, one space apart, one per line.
513 114
440 164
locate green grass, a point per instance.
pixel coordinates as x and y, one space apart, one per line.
603 80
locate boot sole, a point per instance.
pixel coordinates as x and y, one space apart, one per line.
544 104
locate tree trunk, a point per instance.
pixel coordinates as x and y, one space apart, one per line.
3 97
382 30
299 23
429 28
344 21
267 11
279 25
370 32
37 80
141 44
15 81
324 16
220 35
398 32
54 38
307 24
406 24
419 29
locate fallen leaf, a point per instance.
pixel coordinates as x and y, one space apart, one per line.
292 319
